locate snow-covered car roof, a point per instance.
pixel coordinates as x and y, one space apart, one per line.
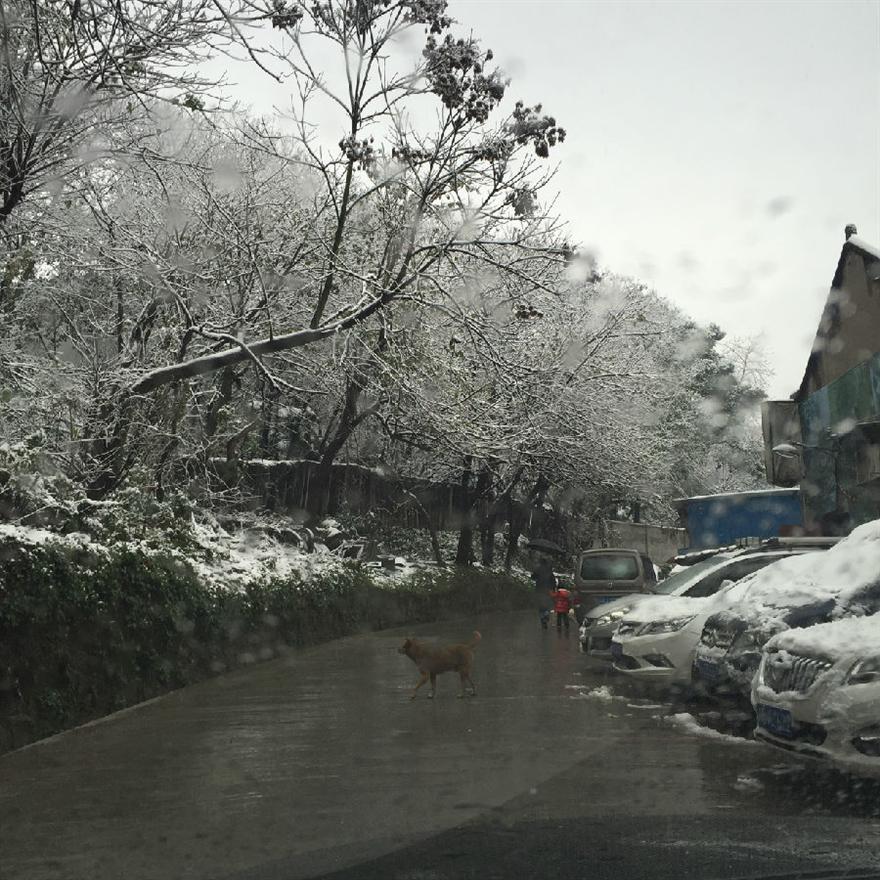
672 606
835 575
850 638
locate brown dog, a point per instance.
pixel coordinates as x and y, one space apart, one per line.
431 661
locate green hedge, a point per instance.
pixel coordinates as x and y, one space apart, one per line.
81 635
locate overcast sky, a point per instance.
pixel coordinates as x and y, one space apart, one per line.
716 150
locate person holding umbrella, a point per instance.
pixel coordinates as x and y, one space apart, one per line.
545 584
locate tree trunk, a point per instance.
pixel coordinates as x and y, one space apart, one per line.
108 454
492 512
465 552
465 555
487 536
349 419
429 527
228 380
516 523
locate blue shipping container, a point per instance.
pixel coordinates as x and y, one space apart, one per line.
719 520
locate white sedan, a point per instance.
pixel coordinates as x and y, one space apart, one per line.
817 693
657 643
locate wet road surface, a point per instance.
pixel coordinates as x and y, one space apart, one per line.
317 764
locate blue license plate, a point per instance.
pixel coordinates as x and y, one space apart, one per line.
616 650
775 720
603 599
708 669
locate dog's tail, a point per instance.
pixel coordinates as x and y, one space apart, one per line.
475 640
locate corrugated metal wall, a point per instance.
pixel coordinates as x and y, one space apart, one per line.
714 522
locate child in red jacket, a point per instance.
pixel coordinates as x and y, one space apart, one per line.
563 602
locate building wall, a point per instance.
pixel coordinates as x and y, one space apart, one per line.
842 387
661 543
829 482
848 331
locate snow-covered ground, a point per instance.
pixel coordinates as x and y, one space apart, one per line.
686 722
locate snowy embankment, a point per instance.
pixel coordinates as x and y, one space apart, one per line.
219 557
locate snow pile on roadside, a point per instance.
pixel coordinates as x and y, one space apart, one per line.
748 783
602 693
686 722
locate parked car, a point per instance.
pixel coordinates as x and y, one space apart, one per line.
703 578
657 640
611 573
817 693
844 582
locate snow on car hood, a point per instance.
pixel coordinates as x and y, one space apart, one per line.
668 608
623 602
671 607
810 578
852 638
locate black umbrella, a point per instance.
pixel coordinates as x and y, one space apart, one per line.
544 546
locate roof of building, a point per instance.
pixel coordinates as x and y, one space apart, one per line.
748 493
853 243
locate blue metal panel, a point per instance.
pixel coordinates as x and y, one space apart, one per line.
724 519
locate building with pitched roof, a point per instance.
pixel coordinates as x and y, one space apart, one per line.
827 437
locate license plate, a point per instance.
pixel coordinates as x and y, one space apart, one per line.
708 669
603 599
616 650
775 720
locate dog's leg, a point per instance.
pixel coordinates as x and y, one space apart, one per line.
433 685
466 677
422 680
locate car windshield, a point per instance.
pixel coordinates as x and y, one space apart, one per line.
681 581
357 358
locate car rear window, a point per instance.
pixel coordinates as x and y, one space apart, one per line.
610 567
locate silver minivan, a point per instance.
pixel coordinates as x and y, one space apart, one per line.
610 573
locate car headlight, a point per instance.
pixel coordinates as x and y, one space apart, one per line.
612 616
665 626
864 672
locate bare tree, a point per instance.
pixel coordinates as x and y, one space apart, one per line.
397 208
69 71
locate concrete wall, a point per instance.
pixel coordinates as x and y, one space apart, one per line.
661 543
